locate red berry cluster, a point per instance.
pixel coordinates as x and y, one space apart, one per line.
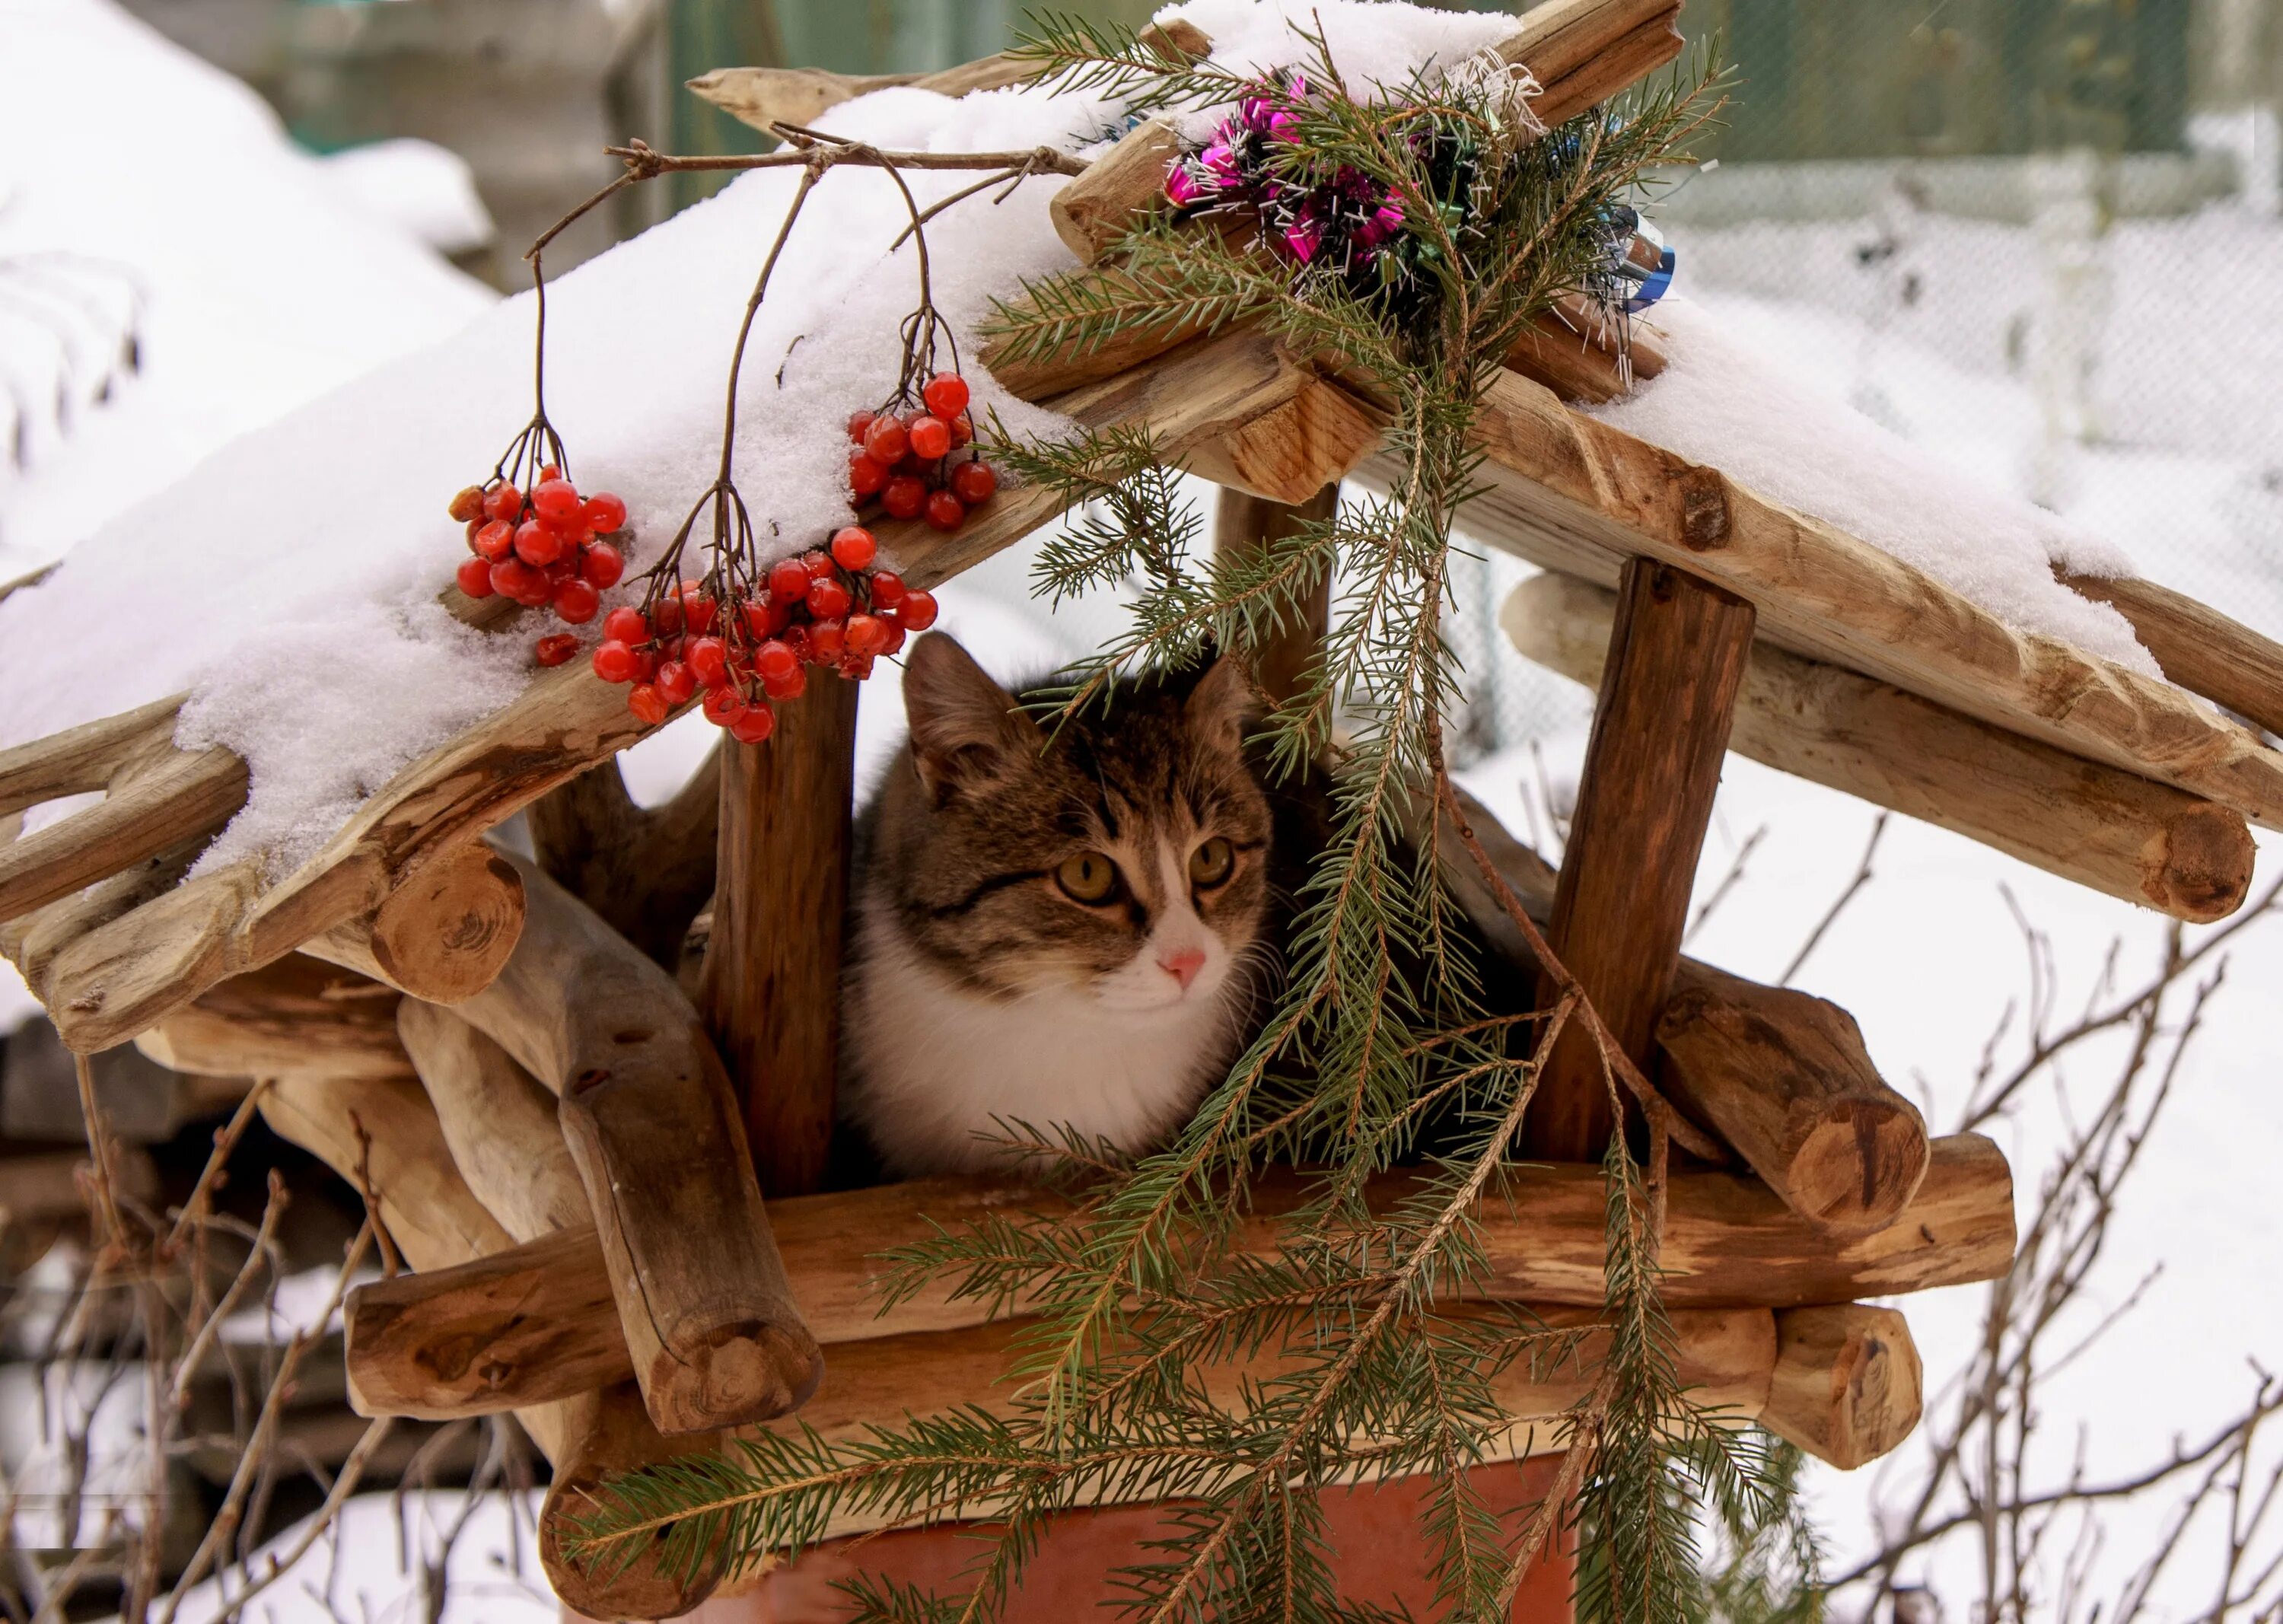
905 459
829 609
542 548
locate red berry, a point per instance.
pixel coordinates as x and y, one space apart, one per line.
665 615
973 482
468 506
603 513
962 430
827 598
648 706
475 577
495 540
856 668
756 724
790 685
917 612
552 470
513 578
556 499
503 500
946 394
774 660
865 474
722 706
886 439
676 681
853 547
904 496
868 634
817 564
614 661
796 638
887 589
826 640
788 580
930 438
912 464
895 642
766 617
858 422
627 625
538 543
698 609
602 565
576 601
946 512
709 661
556 648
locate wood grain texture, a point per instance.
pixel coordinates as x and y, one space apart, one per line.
1847 1387
653 1125
505 1332
647 872
1292 451
2116 831
772 976
151 807
762 97
498 1122
1574 494
84 759
1245 524
1633 56
1584 354
2199 648
1118 189
442 935
1561 36
1660 730
298 1016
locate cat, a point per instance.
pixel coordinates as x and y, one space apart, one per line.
1064 927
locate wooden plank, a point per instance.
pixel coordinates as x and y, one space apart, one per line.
2199 648
771 991
1244 523
529 1325
1676 656
2114 831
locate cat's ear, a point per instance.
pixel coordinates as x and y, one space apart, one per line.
1222 706
967 732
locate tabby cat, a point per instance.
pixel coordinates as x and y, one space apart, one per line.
1067 933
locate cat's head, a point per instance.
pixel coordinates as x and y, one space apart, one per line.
1124 860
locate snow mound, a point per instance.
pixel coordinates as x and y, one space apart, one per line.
1790 436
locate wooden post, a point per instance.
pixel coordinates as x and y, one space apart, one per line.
1661 726
1245 523
772 985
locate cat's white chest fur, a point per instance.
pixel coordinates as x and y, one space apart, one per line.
935 1063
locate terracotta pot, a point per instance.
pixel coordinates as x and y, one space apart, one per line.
1375 1531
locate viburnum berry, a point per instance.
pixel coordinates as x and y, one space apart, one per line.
755 725
887 589
576 601
495 541
774 660
503 500
764 618
827 639
945 511
552 470
665 616
627 625
722 706
886 439
698 609
859 421
962 430
648 706
853 547
904 496
856 668
556 499
614 661
867 634
973 482
475 578
790 685
676 681
788 580
827 598
865 474
538 545
895 642
556 648
946 394
512 578
817 564
930 438
709 661
603 513
602 565
917 612
468 506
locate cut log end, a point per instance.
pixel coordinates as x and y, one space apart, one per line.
1857 1164
605 1433
750 1370
1848 1387
2197 867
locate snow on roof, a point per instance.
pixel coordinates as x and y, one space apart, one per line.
290 581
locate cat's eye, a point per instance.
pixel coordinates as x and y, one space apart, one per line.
1212 862
1088 877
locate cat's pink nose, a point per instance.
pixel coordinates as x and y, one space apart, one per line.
1183 967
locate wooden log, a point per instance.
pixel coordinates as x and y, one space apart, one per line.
647 873
84 759
1290 453
1563 37
1629 59
33 942
1847 1384
2114 831
443 934
2199 648
1652 764
1573 493
500 1333
1244 523
299 1017
153 806
1583 353
1119 191
499 1123
43 1186
771 973
653 1126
